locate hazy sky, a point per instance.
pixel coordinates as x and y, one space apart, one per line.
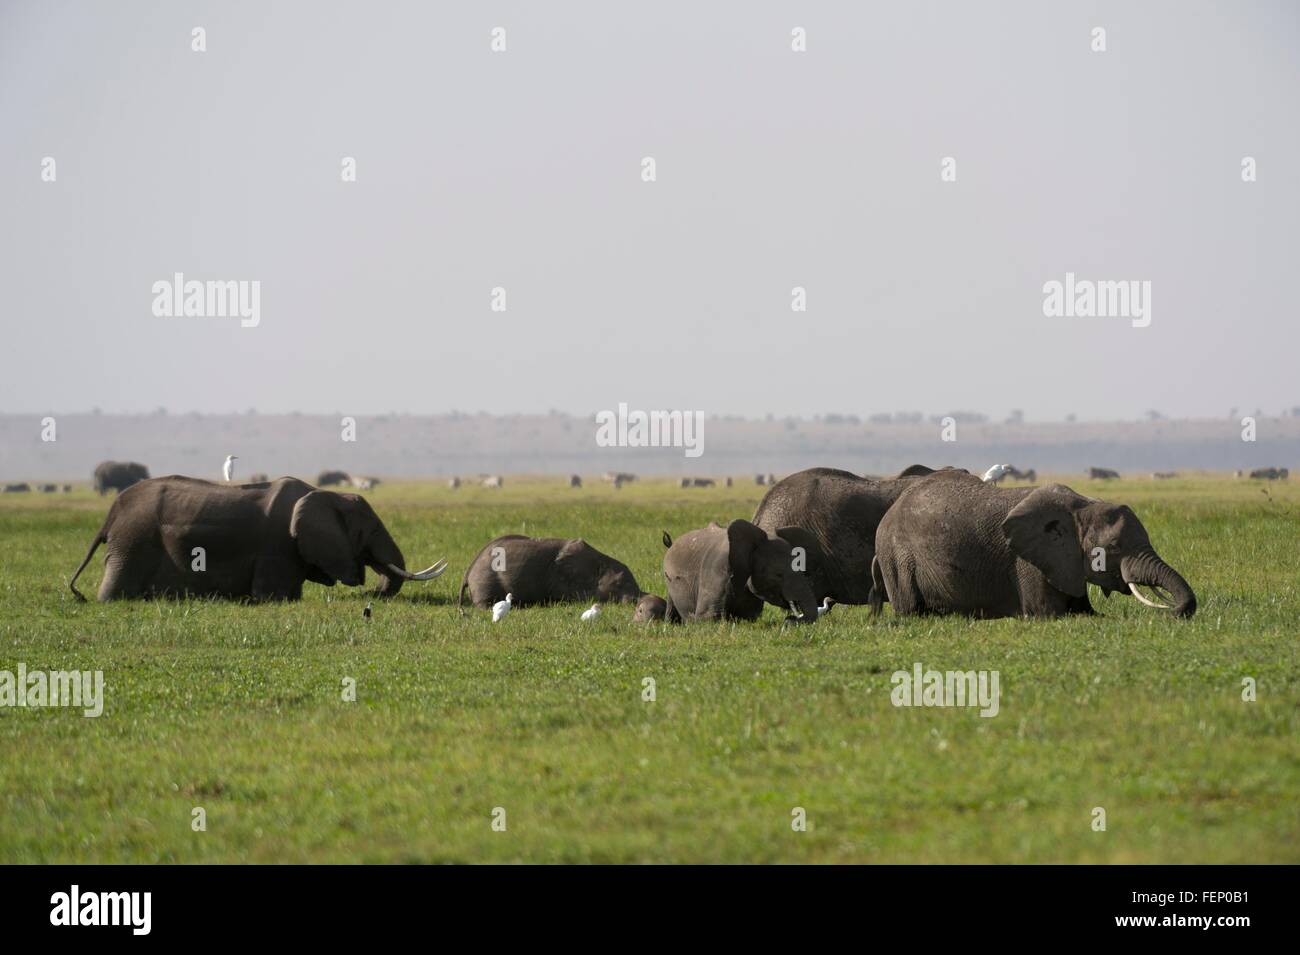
775 169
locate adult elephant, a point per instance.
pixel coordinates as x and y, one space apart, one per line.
333 478
118 475
842 511
180 535
955 544
728 573
542 570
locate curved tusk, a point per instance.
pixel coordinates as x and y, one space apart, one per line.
1150 603
795 610
428 573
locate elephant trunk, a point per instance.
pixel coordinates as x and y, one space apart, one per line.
385 558
1148 569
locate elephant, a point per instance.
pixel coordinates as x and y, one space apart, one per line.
22 488
953 544
175 536
728 573
842 511
118 475
1102 474
649 608
1270 474
333 478
541 570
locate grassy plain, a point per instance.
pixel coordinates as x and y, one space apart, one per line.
239 710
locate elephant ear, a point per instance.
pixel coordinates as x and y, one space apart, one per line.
742 540
1041 529
318 528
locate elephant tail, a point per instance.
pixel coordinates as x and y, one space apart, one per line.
100 538
877 596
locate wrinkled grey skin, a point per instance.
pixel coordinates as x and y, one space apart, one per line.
730 572
954 544
649 608
842 512
541 570
261 541
118 475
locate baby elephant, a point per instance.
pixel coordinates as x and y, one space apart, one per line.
730 572
539 570
650 608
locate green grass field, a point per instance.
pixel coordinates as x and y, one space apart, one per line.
239 710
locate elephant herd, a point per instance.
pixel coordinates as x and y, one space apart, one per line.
927 541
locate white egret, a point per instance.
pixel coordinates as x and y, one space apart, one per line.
501 608
592 612
996 473
229 467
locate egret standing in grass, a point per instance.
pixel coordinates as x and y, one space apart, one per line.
228 468
592 612
825 608
996 473
501 608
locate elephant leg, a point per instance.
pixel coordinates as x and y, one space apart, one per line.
274 579
899 578
671 614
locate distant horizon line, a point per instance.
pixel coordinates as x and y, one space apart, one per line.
827 417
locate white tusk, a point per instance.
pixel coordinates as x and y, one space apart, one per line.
428 573
1150 603
795 610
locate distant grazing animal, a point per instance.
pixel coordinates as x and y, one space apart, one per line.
332 478
841 511
493 480
365 483
1164 475
255 541
728 573
17 488
1270 474
760 480
996 473
501 608
1102 474
543 570
228 469
118 475
728 482
619 478
67 489
1017 475
697 482
454 483
771 480
650 607
258 478
47 488
954 544
575 480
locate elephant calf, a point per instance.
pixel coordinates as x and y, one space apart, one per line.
179 535
540 570
954 544
718 573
